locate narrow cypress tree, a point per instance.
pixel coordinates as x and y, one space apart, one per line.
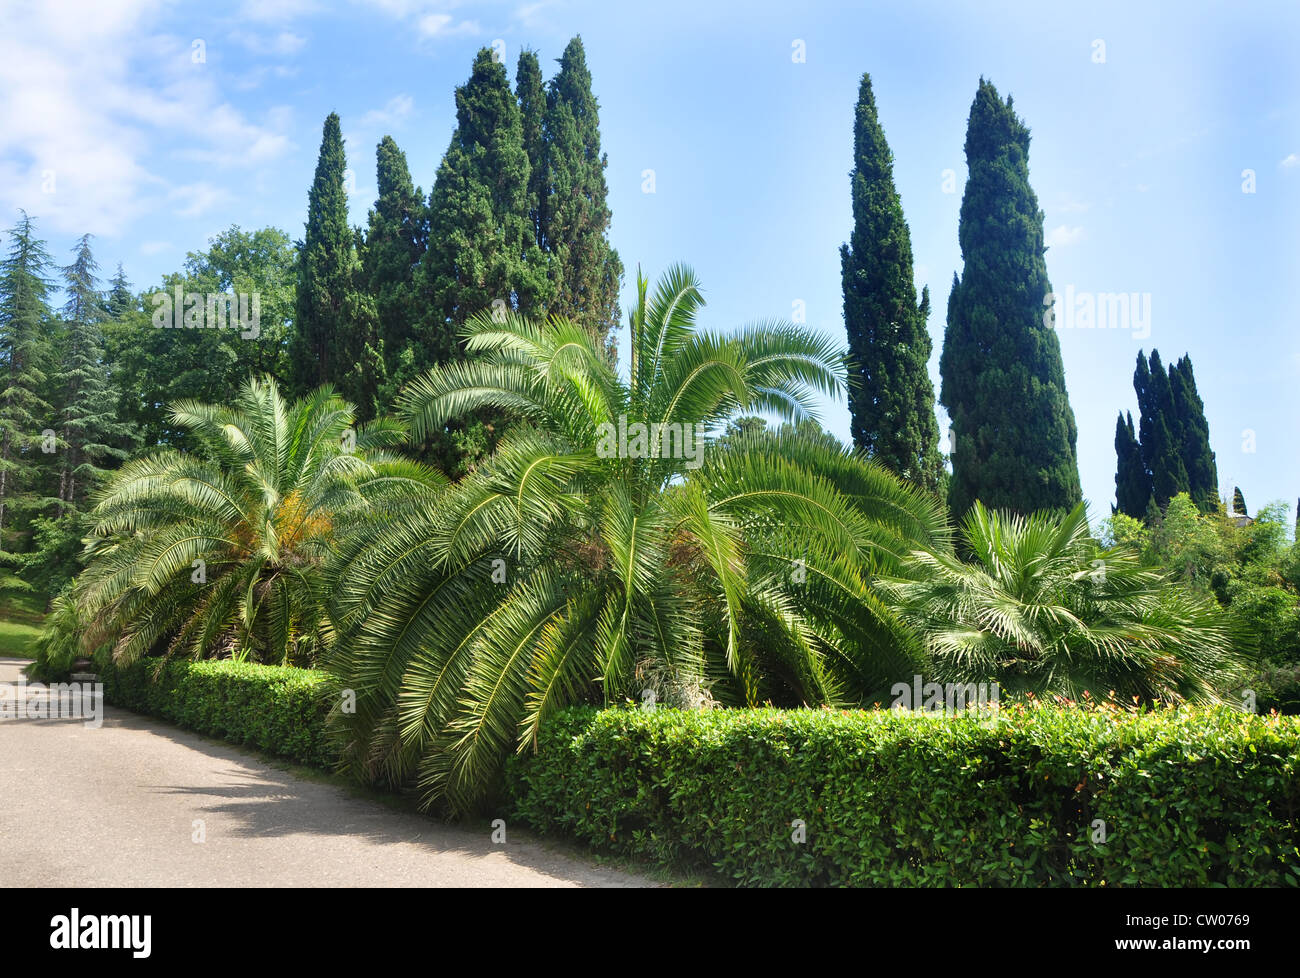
1132 483
481 244
25 325
891 398
320 346
1194 432
91 432
394 242
585 271
1160 432
1003 381
1238 501
532 115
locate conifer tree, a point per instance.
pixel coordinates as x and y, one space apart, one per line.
1160 432
90 432
531 93
1238 501
1194 432
1003 380
26 437
320 347
585 271
1132 483
481 245
891 398
394 242
119 298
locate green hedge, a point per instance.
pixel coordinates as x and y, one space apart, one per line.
1188 797
277 709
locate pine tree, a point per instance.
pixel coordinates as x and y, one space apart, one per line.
1003 381
1159 430
1238 501
1132 482
531 94
90 432
321 343
25 326
119 298
1194 431
585 271
891 398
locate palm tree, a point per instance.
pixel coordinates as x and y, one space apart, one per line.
582 562
221 551
1044 608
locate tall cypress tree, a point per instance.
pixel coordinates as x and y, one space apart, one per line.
25 326
90 430
585 271
481 244
1238 501
394 242
1132 482
1160 431
1194 434
891 398
531 94
1003 381
320 347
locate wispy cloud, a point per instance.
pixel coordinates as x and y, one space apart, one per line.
395 112
1290 161
97 100
1063 236
282 43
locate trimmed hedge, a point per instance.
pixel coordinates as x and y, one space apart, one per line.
277 709
888 798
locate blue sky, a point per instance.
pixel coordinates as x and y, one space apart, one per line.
109 124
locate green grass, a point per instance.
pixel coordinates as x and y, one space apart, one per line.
21 614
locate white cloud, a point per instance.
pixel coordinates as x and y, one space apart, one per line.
196 199
1290 161
98 103
444 25
155 247
393 113
1060 237
280 43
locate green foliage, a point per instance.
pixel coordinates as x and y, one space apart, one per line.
1132 481
1194 797
565 569
224 548
394 242
279 710
1043 608
153 368
329 337
25 359
90 435
891 398
1175 442
585 272
1003 385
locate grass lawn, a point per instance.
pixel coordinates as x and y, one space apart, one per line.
21 613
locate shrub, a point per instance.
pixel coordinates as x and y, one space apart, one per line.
1189 797
277 709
